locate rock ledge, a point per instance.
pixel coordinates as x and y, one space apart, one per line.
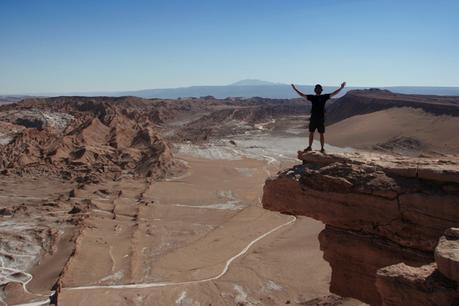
379 211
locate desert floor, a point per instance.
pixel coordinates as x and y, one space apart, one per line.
177 248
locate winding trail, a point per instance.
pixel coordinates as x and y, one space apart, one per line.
44 302
24 286
167 284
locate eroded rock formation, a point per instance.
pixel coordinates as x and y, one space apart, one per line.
84 138
379 211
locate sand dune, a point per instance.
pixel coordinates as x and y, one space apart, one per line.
402 130
359 102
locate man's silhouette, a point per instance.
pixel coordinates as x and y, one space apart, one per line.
317 119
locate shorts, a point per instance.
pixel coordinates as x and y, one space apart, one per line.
317 123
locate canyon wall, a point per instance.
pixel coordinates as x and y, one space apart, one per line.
384 217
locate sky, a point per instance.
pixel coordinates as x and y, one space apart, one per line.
112 45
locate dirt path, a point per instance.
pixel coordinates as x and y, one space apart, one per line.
166 284
183 235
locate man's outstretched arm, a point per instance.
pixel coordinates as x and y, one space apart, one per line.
298 92
338 90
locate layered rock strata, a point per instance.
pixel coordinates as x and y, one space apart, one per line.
379 211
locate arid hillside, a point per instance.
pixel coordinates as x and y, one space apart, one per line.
399 130
358 102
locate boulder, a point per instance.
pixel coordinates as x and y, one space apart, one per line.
447 254
413 286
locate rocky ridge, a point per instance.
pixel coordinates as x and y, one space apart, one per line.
384 217
85 138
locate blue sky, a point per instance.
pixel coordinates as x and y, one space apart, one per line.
89 45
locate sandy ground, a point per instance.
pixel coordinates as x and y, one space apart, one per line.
398 129
170 250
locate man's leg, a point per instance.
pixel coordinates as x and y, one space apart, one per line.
322 141
311 139
312 129
321 130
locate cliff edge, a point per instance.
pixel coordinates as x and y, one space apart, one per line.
384 216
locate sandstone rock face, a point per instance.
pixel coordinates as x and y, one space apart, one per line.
380 210
447 254
375 194
356 257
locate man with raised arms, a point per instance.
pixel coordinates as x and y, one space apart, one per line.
317 119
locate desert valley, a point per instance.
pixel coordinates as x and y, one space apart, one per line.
133 201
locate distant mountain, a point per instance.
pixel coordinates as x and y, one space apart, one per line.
253 82
11 99
266 91
256 88
253 88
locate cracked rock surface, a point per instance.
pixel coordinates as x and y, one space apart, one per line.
379 210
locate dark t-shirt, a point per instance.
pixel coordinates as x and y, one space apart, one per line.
318 105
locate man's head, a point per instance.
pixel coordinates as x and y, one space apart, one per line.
318 89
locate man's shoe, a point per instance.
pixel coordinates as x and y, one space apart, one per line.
307 149
322 150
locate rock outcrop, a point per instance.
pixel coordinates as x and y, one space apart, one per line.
447 254
379 211
84 138
412 286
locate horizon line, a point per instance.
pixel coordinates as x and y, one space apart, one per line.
57 93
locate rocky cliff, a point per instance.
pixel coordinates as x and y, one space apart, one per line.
384 218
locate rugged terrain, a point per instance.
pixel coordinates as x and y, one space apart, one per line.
94 199
384 216
136 201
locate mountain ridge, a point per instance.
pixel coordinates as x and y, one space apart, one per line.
247 88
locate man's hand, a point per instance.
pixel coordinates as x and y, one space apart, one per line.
297 91
338 90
